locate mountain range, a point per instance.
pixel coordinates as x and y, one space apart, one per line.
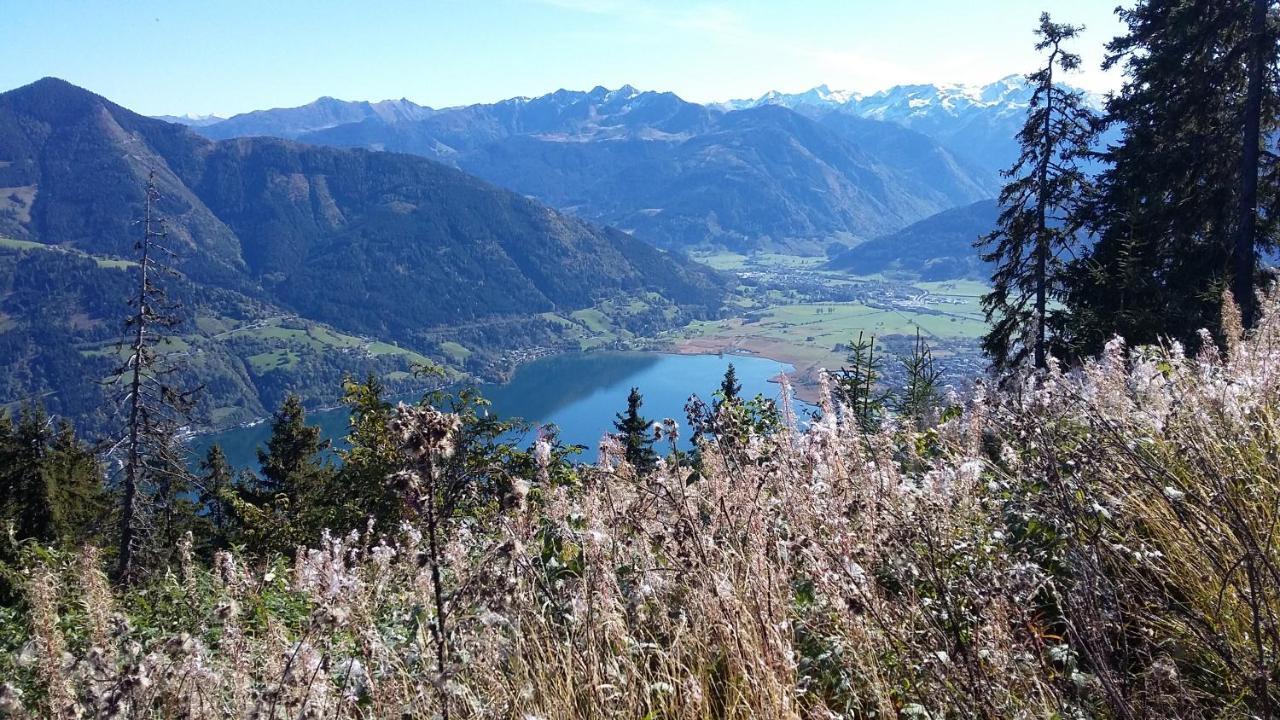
674 173
977 122
380 246
190 120
324 113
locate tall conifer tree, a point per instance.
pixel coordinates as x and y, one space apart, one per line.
1035 228
22 479
858 383
1174 217
216 486
290 455
359 490
1260 70
51 485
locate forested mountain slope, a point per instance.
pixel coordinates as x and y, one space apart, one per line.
374 244
940 247
675 173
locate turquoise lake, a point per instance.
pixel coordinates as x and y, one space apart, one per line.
580 393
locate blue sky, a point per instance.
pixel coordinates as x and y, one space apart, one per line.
180 56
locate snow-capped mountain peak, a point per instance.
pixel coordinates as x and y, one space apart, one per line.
1011 91
191 120
822 97
1006 95
981 120
626 91
824 94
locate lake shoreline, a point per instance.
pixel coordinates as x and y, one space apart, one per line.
506 377
805 374
578 392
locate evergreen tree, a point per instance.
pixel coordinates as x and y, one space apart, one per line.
80 503
290 455
857 383
636 434
216 488
723 416
51 485
1036 225
9 494
51 493
1260 70
730 388
284 507
360 490
24 484
174 510
1168 210
920 393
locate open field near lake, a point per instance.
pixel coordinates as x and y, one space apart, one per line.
815 335
728 260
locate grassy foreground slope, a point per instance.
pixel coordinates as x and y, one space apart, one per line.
1095 544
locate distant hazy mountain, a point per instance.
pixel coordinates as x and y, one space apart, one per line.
190 120
378 244
819 98
562 116
323 113
936 248
978 122
674 172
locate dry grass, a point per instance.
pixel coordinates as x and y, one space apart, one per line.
1094 544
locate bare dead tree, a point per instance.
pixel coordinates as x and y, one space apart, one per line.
152 405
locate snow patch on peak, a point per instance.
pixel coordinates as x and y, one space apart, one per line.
821 96
825 94
191 120
1009 92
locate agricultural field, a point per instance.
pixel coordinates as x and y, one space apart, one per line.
811 332
732 261
457 352
777 317
265 362
721 260
104 262
291 337
620 322
592 319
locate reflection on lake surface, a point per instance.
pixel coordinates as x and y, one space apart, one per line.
580 393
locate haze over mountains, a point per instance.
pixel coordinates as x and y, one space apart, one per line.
380 245
191 120
940 247
771 173
978 122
